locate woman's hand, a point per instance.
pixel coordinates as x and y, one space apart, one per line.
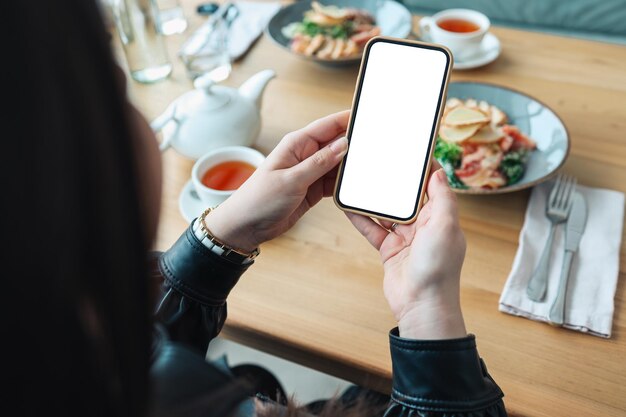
422 263
294 177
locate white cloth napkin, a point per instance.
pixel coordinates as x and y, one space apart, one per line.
248 26
593 277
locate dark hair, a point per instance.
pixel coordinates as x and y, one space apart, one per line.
76 308
78 322
361 406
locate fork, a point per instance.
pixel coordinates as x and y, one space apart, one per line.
557 211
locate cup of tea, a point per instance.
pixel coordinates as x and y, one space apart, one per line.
217 174
461 30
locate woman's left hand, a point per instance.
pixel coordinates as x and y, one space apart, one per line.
294 177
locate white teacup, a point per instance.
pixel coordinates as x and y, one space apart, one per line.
210 196
463 45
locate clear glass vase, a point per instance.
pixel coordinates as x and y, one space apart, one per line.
206 51
144 46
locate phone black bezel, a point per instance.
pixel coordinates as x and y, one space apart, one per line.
432 139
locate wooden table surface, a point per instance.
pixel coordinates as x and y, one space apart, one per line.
315 294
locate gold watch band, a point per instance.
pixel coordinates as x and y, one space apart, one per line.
229 253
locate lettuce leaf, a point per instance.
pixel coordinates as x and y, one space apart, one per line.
449 157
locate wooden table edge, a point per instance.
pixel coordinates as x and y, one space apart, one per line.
300 354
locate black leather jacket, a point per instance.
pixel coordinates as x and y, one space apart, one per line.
430 378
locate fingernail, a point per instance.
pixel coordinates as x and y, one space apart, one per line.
441 175
340 146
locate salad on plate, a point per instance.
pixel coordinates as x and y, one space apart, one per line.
478 148
330 32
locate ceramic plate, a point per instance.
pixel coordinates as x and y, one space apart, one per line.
393 18
534 119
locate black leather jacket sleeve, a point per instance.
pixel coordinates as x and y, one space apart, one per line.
196 283
183 383
441 378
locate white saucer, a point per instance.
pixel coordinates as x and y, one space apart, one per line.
189 203
489 50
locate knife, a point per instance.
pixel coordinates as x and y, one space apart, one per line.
573 233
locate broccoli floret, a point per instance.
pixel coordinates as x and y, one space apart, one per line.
513 165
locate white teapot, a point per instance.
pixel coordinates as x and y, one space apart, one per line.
213 116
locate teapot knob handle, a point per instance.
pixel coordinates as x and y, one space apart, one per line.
204 82
159 123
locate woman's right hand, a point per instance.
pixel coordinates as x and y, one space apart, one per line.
422 263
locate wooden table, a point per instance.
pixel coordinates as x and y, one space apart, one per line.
315 294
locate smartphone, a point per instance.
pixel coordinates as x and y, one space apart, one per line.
395 116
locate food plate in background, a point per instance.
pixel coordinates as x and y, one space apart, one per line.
533 119
392 17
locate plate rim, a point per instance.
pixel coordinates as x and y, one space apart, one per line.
518 187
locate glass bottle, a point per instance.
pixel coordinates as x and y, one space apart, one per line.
206 52
144 46
171 17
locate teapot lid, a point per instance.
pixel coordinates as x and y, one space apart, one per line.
204 82
205 97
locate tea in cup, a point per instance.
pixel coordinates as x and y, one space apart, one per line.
461 30
217 174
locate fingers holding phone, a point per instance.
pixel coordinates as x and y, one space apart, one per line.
303 143
395 116
294 177
422 263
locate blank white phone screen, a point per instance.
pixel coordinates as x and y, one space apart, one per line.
393 122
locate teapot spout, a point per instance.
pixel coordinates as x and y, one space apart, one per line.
253 88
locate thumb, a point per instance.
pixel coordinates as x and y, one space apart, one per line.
321 162
441 196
